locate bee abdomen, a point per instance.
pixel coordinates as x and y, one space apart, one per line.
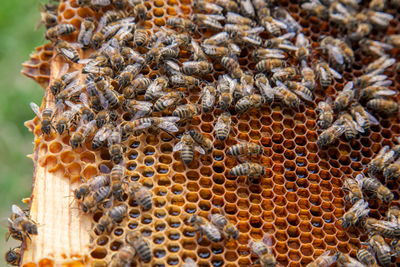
187 154
241 169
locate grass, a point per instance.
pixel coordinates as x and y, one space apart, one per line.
18 39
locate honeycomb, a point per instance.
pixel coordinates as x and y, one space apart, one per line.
298 201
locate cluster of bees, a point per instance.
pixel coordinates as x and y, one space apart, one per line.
115 83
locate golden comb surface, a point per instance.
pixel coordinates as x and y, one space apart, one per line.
298 201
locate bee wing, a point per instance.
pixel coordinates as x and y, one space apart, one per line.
301 40
74 107
389 156
18 211
360 180
104 168
289 47
372 119
199 149
386 92
255 30
89 127
216 17
303 95
360 205
210 228
383 151
190 262
168 126
36 109
170 118
143 126
267 240
178 146
335 74
336 53
64 69
84 100
67 53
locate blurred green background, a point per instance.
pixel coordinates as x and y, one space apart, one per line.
18 38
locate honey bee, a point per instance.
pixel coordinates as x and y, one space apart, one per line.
187 146
94 3
344 97
208 21
83 108
128 74
141 245
139 8
198 54
392 171
45 117
365 257
284 74
384 228
59 30
225 88
13 256
307 76
247 8
65 119
181 23
141 194
205 228
164 123
374 185
155 88
353 187
330 135
64 79
223 126
208 95
115 148
263 250
94 184
48 16
227 229
351 127
382 250
181 39
273 26
379 19
131 56
303 45
373 47
375 91
325 117
168 100
292 26
202 141
248 37
20 225
138 86
381 63
381 160
344 260
181 80
101 136
266 65
355 214
235 18
141 37
111 96
362 117
86 32
372 78
281 42
186 111
95 198
138 109
113 216
245 149
196 67
300 90
266 91
232 65
392 39
249 102
317 9
215 51
338 50
251 170
288 97
207 7
326 74
84 130
109 17
228 5
189 262
111 50
387 106
68 51
393 214
123 257
324 260
268 53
